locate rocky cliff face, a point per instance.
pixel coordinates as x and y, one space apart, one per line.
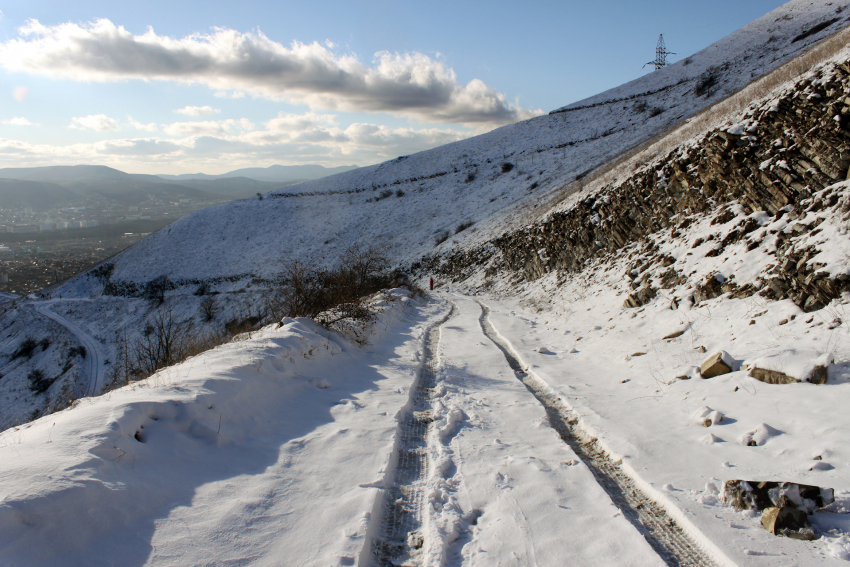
779 162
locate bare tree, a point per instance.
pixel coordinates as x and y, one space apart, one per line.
164 342
208 308
365 264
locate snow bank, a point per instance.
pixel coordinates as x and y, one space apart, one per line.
273 433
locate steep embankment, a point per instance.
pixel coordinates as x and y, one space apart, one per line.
764 186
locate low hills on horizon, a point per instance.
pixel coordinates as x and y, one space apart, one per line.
50 187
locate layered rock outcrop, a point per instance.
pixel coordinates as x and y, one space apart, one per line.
778 159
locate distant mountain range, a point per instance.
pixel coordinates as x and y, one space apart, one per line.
274 173
46 188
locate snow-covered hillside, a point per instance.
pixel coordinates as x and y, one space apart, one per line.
584 393
406 203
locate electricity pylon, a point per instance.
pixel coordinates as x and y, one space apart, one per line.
661 54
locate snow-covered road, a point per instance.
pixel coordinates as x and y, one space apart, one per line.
500 487
94 357
445 442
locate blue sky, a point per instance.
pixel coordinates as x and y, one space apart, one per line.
74 91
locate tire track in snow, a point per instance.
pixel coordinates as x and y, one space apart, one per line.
400 540
659 529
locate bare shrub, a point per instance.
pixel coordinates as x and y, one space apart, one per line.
242 324
399 193
441 237
465 224
507 167
164 342
301 293
208 308
26 348
707 81
156 288
366 265
818 28
333 297
38 383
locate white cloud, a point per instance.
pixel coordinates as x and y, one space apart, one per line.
18 121
97 122
408 84
197 110
150 127
208 127
228 144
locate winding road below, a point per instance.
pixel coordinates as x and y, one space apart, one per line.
94 355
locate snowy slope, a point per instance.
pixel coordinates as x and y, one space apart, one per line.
405 203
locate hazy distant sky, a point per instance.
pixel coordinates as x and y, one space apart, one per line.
176 87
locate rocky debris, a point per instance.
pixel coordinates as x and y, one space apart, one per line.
712 287
772 376
639 298
760 495
715 365
788 522
820 374
785 505
673 335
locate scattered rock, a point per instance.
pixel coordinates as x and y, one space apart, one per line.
639 353
760 495
707 417
787 521
759 436
674 335
641 297
819 375
700 348
782 322
717 364
772 376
